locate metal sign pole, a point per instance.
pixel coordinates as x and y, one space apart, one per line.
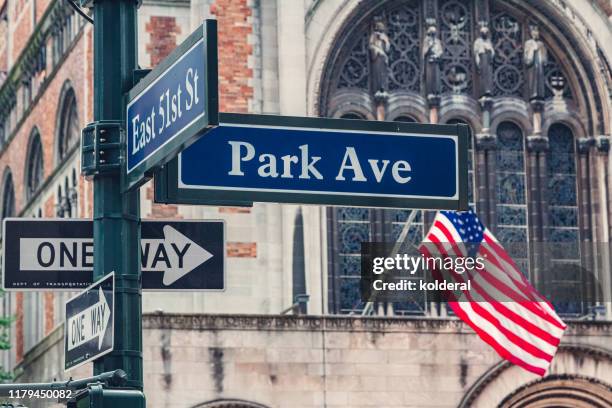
116 214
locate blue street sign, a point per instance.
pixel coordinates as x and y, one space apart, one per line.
47 254
173 105
321 161
89 328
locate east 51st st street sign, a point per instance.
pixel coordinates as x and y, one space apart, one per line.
251 158
173 105
44 254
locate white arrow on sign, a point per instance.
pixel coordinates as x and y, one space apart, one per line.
175 255
89 323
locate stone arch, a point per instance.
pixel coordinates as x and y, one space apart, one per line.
566 118
584 65
461 107
229 403
354 101
407 104
505 383
564 390
511 110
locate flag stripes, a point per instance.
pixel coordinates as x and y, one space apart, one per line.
502 307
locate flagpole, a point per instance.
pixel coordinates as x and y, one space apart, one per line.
398 244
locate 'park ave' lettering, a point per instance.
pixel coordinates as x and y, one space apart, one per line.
304 166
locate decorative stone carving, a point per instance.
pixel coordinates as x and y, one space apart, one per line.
432 53
537 143
535 58
584 144
379 47
603 143
483 56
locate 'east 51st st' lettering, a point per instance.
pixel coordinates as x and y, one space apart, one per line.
172 104
304 166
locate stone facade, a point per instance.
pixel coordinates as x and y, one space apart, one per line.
312 361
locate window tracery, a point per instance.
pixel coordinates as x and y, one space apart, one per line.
456 33
502 189
508 75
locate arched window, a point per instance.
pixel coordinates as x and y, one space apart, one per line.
512 193
562 197
352 115
8 196
405 119
564 275
34 166
69 129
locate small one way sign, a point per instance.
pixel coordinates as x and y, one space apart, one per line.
89 327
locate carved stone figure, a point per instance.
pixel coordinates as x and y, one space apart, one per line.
432 53
483 56
535 58
379 46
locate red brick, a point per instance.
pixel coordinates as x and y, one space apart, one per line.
162 31
234 210
49 305
234 51
241 249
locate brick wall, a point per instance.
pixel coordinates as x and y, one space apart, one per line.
234 27
162 37
241 249
43 117
20 15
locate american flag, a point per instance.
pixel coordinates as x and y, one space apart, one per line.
509 314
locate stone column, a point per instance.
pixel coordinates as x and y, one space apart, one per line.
604 278
485 144
584 146
537 146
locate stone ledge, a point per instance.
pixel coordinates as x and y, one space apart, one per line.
335 323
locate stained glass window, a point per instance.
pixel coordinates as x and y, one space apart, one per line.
511 193
563 233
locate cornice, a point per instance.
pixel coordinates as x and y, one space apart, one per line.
334 323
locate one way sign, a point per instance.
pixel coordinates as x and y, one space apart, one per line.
89 328
42 254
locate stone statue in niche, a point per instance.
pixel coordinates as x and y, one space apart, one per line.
483 56
432 53
535 58
379 46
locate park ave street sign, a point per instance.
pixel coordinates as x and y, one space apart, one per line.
57 254
89 328
321 161
173 105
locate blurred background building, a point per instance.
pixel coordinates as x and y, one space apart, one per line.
532 79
